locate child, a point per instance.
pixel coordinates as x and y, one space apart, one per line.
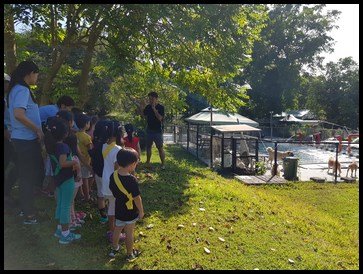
63 166
129 206
71 141
100 137
109 152
131 140
85 144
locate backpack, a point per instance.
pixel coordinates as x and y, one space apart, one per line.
58 179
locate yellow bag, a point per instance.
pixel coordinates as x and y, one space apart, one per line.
129 203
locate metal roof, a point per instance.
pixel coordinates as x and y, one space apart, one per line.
235 128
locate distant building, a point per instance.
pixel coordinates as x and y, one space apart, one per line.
303 114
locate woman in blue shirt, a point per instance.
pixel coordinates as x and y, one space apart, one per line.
26 134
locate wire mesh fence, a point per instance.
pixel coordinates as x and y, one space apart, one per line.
250 155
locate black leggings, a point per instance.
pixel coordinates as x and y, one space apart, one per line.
30 169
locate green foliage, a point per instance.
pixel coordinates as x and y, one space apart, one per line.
261 168
295 35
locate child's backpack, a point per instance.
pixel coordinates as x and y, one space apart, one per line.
59 177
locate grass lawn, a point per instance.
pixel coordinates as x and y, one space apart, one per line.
294 226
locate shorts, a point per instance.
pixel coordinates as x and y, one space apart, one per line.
111 205
124 223
99 186
48 166
86 173
156 137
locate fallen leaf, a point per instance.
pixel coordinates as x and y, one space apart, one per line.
201 209
255 269
207 250
221 239
149 226
211 228
194 224
180 226
272 249
207 242
291 261
197 267
197 240
142 234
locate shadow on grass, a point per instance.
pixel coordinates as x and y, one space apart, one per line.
163 191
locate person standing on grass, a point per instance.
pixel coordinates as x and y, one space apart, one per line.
85 144
63 167
26 135
109 152
154 113
129 207
11 175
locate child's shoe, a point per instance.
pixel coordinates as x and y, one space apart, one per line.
81 215
133 256
58 233
114 252
70 238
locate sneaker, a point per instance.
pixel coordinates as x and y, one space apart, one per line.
81 215
58 233
74 225
80 221
70 238
114 252
30 221
133 256
103 220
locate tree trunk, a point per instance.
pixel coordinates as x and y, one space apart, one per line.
9 40
53 31
87 61
51 75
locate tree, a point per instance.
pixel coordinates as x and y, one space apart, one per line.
295 35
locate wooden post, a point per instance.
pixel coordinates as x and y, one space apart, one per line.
275 164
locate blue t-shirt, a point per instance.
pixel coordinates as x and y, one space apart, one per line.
47 111
20 97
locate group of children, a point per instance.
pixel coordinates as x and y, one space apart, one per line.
102 153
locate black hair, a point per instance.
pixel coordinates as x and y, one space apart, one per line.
129 130
81 120
17 76
65 115
114 129
65 100
57 130
100 132
126 157
94 120
153 94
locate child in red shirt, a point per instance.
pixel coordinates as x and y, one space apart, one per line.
132 141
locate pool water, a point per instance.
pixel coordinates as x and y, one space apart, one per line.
307 154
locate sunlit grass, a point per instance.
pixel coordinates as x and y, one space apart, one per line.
314 225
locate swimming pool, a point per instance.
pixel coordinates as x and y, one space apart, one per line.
307 154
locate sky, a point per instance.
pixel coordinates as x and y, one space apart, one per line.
347 35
